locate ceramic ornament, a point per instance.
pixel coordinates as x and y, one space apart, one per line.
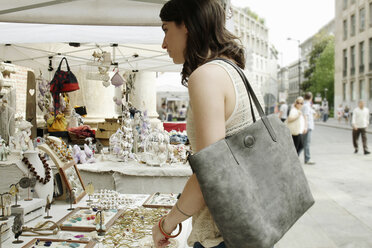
117 80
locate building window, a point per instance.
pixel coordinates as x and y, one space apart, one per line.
352 92
352 23
361 57
370 54
370 88
344 91
344 6
345 29
361 89
344 69
362 19
352 62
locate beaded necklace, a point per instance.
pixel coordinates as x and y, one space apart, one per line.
31 168
63 153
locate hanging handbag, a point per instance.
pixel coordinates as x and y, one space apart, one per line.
252 182
63 81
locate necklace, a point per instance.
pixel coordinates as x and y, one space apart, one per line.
63 153
31 168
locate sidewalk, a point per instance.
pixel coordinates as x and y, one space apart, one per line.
332 122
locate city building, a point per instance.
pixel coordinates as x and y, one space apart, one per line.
353 52
261 56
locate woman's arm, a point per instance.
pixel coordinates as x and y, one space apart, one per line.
207 87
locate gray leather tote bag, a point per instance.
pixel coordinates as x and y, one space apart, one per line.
253 182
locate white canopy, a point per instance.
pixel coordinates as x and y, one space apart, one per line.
134 25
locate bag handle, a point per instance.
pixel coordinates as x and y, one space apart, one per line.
252 95
60 64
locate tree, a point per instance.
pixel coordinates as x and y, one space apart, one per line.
320 74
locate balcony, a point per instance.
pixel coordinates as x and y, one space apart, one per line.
352 71
361 69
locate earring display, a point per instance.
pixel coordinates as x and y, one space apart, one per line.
59 243
137 231
110 199
84 219
62 151
17 228
6 202
161 200
14 191
71 176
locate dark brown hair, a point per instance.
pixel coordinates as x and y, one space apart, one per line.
207 37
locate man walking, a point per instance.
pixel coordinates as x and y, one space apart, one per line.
308 112
360 122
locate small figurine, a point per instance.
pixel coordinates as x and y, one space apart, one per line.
14 191
4 150
71 198
47 208
17 228
22 135
89 189
99 220
7 202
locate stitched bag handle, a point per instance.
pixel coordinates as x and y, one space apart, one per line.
255 100
60 64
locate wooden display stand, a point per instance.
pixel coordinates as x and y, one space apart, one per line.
87 227
33 243
106 129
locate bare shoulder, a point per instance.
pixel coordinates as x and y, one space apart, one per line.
209 75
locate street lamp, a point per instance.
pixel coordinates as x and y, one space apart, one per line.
299 64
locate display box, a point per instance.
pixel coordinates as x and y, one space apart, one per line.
108 126
6 228
30 209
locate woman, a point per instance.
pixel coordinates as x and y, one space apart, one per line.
340 113
296 124
195 34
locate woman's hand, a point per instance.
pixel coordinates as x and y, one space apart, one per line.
159 239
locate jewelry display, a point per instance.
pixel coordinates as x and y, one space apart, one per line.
17 228
137 231
42 229
6 202
72 179
86 219
59 243
32 169
99 221
89 189
48 206
62 151
160 200
14 191
156 148
110 199
71 198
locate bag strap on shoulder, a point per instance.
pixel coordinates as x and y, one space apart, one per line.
252 95
60 64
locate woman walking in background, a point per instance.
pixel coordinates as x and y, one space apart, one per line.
296 124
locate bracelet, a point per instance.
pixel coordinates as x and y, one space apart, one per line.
182 211
168 236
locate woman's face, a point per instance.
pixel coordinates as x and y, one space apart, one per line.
299 104
175 38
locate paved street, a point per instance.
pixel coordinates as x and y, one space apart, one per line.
341 183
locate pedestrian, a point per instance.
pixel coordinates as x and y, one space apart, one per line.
182 113
346 114
283 111
360 122
340 113
308 112
325 113
195 34
296 124
163 112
